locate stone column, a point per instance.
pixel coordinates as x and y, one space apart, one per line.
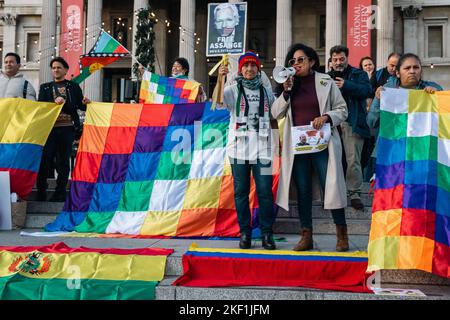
48 39
9 33
201 65
333 34
161 42
284 30
138 4
187 38
233 59
410 28
58 30
93 84
385 30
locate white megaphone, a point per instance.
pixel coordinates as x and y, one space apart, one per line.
281 74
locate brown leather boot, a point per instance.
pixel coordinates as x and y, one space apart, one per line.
306 243
342 238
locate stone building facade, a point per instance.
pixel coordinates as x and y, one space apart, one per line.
419 26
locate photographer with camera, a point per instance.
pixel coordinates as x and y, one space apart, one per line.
355 88
67 127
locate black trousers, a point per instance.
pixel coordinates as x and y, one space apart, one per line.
59 147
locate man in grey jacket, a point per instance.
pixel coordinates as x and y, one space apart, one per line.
12 83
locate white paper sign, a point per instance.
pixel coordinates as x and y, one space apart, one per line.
5 202
306 139
226 29
398 292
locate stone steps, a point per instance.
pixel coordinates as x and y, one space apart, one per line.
33 195
321 226
281 225
165 291
436 288
319 212
52 184
41 213
174 268
292 195
39 220
365 198
44 207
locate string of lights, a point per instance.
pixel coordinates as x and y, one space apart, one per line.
93 31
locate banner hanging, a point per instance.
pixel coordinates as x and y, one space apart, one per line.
71 40
359 14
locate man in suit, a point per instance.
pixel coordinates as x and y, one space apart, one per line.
302 141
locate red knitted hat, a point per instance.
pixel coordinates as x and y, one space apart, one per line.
249 57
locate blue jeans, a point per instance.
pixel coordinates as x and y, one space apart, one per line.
241 175
302 174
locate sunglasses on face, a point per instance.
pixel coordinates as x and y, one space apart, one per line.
299 60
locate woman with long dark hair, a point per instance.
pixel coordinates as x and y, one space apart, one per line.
408 76
312 97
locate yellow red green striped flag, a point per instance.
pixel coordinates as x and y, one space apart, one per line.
59 272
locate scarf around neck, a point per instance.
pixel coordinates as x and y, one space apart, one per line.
180 76
252 84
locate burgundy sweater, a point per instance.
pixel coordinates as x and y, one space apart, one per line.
304 104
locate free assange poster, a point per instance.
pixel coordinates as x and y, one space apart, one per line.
227 24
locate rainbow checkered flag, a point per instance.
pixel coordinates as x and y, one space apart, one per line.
411 217
159 89
154 170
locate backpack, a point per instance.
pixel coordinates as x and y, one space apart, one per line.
25 89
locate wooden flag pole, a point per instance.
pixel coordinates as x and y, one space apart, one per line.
217 96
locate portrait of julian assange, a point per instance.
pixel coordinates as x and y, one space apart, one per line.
226 28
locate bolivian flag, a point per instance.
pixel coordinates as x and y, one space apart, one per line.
58 272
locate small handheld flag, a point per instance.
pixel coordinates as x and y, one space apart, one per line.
105 51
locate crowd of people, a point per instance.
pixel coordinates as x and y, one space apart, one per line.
347 98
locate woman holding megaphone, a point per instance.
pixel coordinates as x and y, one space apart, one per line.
310 97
